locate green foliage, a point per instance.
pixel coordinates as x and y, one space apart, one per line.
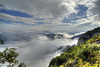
88 35
89 55
82 55
1 41
22 65
10 56
59 60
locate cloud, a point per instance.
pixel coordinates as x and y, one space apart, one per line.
96 9
19 19
56 28
36 52
29 21
52 11
93 12
46 9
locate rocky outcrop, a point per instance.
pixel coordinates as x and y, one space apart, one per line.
53 36
88 35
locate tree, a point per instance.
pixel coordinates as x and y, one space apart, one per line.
10 56
1 41
22 65
89 55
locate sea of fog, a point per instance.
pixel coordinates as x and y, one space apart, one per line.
35 49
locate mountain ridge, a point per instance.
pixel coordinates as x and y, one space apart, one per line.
85 54
89 34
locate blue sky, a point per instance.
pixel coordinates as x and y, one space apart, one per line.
76 16
15 13
73 17
10 22
49 15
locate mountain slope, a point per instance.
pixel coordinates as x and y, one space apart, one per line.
89 34
82 55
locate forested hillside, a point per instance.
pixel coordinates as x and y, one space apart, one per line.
85 54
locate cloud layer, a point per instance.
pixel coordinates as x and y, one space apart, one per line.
96 9
37 49
52 11
46 9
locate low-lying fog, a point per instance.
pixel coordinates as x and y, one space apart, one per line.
35 49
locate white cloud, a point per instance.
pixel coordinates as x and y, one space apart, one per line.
35 52
93 12
18 19
96 9
47 9
56 28
52 10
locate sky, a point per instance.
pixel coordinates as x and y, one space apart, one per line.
69 16
22 21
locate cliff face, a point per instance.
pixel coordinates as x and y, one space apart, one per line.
88 35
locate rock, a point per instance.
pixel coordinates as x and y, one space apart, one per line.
88 35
